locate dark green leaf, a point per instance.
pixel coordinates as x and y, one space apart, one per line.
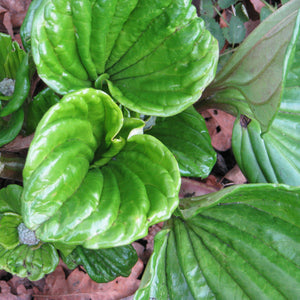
10 129
104 265
187 137
226 3
236 31
214 28
10 199
38 107
242 242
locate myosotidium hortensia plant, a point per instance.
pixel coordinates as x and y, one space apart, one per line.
115 128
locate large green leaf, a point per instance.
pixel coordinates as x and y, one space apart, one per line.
274 156
255 72
187 137
20 252
69 199
104 265
242 242
155 56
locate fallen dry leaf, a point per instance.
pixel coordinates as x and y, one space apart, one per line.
194 188
219 125
79 286
13 13
19 144
14 289
236 176
257 4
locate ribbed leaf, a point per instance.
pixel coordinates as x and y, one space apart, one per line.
20 252
275 155
104 265
242 242
257 73
123 195
187 137
11 56
155 56
33 262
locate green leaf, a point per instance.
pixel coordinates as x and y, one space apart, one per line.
236 31
274 156
257 73
10 199
226 3
33 262
9 223
11 128
214 28
186 136
135 189
38 107
11 56
206 9
239 243
155 56
104 265
264 13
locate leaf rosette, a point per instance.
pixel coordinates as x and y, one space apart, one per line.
21 253
86 183
154 57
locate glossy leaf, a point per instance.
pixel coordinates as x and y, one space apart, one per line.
187 137
10 57
10 199
275 155
240 243
29 261
132 190
39 106
24 260
11 128
104 265
155 56
254 71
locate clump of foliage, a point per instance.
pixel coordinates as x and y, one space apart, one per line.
115 129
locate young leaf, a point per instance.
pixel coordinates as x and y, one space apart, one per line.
274 155
20 252
136 188
187 137
239 243
255 72
155 56
104 265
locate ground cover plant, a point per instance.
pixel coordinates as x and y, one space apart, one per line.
115 127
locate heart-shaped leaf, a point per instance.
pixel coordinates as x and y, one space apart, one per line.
275 155
187 137
240 243
104 265
132 190
155 56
